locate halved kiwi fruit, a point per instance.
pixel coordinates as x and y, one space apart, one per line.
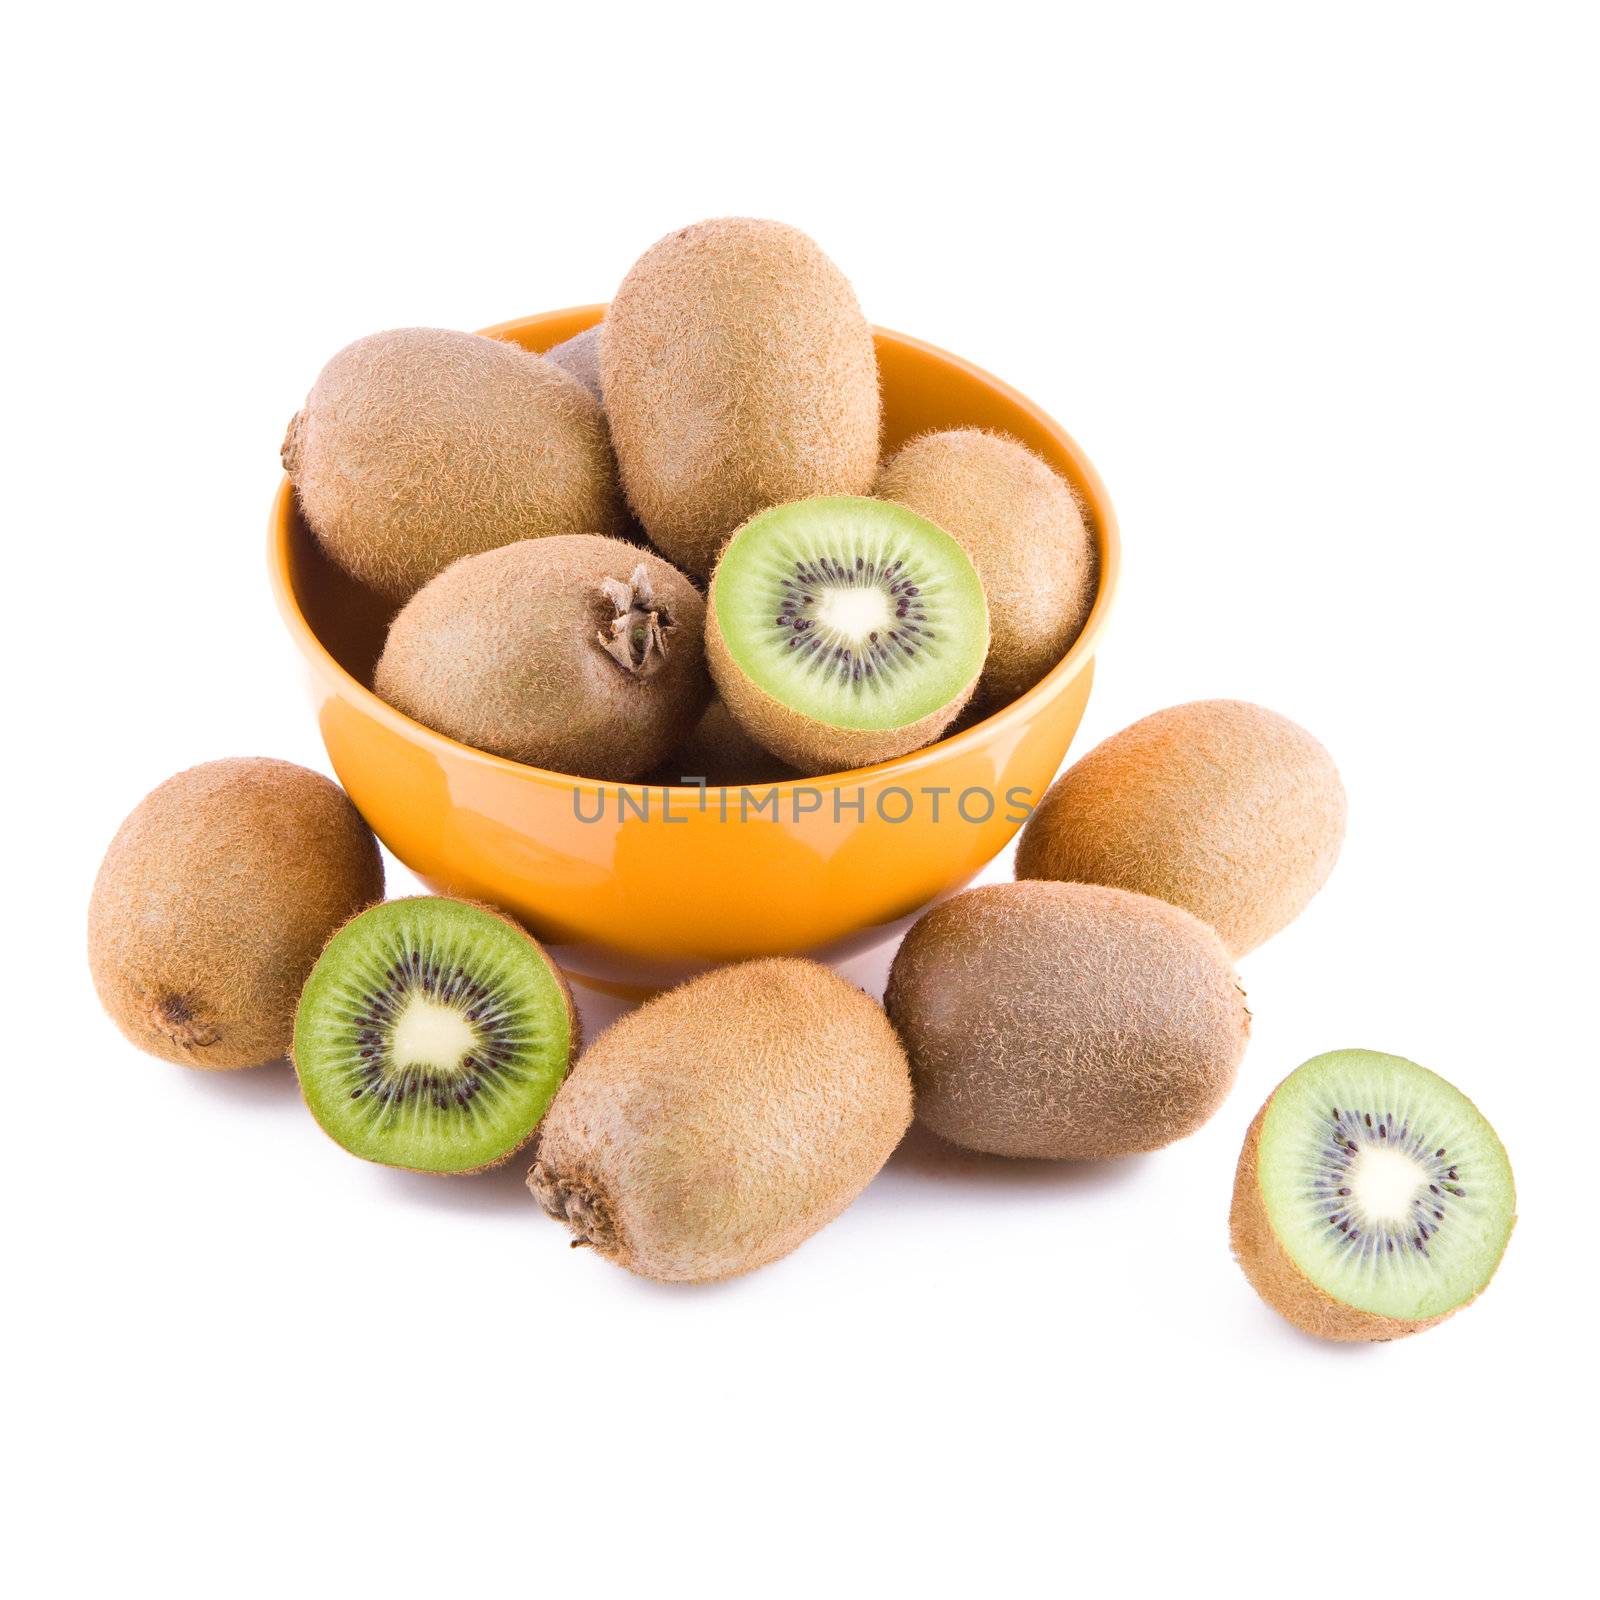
1372 1198
432 1034
843 631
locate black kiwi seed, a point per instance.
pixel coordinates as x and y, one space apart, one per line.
802 585
1336 1162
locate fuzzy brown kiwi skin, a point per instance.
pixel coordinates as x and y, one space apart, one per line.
1275 1277
214 901
418 446
580 356
722 754
1066 1021
505 652
1224 808
725 1122
574 1034
739 373
1022 525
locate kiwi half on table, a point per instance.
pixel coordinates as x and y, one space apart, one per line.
842 631
1372 1198
432 1034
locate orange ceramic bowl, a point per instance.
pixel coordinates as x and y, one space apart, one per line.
633 887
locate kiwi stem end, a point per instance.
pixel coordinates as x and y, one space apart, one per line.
574 1203
636 636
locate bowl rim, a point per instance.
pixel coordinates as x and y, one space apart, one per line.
1103 524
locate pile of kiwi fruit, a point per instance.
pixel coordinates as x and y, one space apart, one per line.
747 555
673 544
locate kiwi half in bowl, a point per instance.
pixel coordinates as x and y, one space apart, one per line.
844 631
432 1034
1372 1198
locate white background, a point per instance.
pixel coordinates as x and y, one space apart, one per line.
1315 289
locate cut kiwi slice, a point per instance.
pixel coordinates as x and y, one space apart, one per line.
432 1034
1372 1198
844 631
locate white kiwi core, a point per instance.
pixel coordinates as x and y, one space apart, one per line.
427 1034
1386 1183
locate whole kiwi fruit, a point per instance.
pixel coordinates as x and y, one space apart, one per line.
1066 1020
213 902
1023 527
1224 808
721 754
724 1122
574 653
580 355
421 445
738 373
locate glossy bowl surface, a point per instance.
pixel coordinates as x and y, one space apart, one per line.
633 887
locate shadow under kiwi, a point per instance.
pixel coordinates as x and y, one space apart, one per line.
503 1190
271 1085
499 1190
923 1156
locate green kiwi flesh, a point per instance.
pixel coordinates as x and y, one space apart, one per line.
432 1034
843 631
1373 1198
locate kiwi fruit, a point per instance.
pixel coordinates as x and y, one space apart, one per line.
1372 1198
573 653
842 631
212 903
1023 527
419 446
432 1034
580 355
738 373
721 755
1226 809
724 1122
1066 1020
